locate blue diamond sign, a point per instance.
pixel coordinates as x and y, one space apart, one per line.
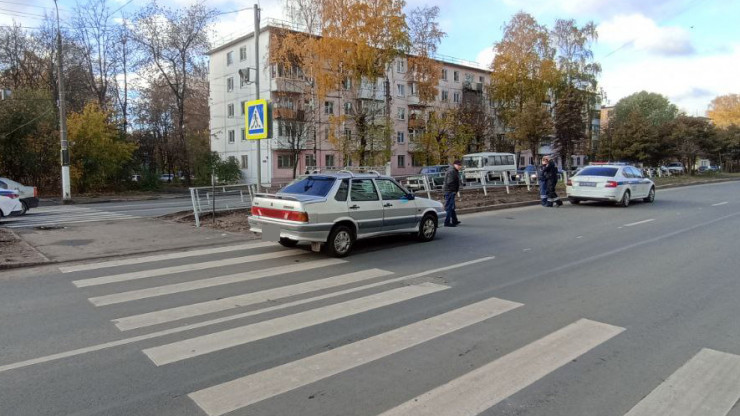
257 119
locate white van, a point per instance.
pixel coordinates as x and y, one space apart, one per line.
492 166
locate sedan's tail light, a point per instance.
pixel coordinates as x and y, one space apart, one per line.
35 192
281 214
570 182
610 184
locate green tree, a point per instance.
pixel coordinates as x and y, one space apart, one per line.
97 155
691 137
638 127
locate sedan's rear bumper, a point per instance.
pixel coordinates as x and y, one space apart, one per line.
293 231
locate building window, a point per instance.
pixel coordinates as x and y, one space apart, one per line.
244 134
231 136
243 104
329 161
456 97
229 58
243 53
230 111
401 161
347 83
413 89
412 135
445 95
230 84
480 79
310 160
400 90
444 75
401 113
400 66
400 137
328 107
348 108
242 82
245 161
456 76
285 161
348 134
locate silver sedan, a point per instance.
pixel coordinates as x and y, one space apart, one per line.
335 210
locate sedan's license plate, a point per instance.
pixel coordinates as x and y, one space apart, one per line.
586 183
270 232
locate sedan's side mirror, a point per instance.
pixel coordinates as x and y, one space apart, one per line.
410 196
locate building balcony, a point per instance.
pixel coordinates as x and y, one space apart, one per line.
417 123
288 85
288 114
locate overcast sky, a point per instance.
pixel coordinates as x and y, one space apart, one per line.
687 50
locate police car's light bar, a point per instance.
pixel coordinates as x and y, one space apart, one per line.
609 163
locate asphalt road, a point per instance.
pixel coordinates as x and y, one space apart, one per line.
51 215
579 310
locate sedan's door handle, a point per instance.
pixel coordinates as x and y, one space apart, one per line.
354 207
387 205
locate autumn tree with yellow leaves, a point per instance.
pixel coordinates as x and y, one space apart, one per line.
725 110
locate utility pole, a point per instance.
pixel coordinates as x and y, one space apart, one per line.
66 196
257 88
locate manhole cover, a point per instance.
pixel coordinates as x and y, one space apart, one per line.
50 227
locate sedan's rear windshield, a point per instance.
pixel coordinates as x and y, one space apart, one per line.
312 185
598 171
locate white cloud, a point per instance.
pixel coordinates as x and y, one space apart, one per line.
644 34
485 57
690 82
598 8
233 25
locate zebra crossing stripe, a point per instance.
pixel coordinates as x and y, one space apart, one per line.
210 282
242 392
164 271
218 305
707 385
194 347
160 257
480 389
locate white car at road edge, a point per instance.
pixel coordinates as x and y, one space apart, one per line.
10 206
616 183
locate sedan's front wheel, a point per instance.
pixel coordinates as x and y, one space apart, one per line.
340 241
651 196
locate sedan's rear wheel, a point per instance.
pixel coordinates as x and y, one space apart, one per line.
340 241
651 196
427 228
625 202
24 208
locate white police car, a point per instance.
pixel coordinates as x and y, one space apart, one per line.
610 182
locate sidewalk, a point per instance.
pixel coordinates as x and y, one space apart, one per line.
111 239
96 199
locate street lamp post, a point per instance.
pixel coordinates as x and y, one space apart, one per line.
66 195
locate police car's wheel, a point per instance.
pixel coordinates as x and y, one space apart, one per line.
574 201
427 228
651 196
625 202
24 208
287 242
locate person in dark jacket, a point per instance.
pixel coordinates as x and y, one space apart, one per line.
450 189
542 181
551 175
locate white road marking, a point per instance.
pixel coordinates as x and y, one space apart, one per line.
639 222
242 392
218 305
719 204
707 385
480 389
160 257
216 321
217 341
210 282
164 271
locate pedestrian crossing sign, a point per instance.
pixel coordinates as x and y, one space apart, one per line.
257 119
